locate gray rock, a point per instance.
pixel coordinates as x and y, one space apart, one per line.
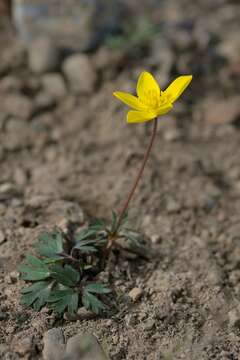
54 344
43 56
18 105
54 85
80 74
84 347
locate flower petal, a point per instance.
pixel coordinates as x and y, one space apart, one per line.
129 99
177 87
164 109
147 84
139 116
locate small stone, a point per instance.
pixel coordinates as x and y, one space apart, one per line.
109 323
3 316
2 237
24 346
8 190
130 320
149 324
54 344
64 225
234 318
43 102
84 314
44 56
84 347
135 294
172 206
155 238
19 106
20 176
172 135
80 74
37 201
54 85
14 275
217 111
10 84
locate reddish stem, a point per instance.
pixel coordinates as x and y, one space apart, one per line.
139 175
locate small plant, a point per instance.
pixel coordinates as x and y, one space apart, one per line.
135 37
65 270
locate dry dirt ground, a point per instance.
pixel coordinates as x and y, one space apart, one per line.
76 158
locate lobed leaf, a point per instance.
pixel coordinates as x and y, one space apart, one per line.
66 275
34 269
66 298
50 245
92 303
36 295
97 288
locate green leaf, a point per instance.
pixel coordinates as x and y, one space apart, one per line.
86 246
97 224
50 245
62 299
66 275
34 269
92 303
97 288
36 295
85 234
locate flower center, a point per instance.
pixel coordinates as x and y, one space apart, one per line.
152 100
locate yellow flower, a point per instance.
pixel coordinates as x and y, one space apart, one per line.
151 101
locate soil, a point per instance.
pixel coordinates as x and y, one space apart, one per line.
76 159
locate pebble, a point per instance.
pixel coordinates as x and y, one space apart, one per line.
82 314
3 316
54 344
24 346
19 106
10 84
14 275
80 74
8 190
44 102
234 318
217 111
54 85
20 176
172 206
84 347
43 56
135 294
149 324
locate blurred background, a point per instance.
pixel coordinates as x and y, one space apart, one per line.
66 150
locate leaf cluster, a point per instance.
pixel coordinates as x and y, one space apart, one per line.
62 273
64 269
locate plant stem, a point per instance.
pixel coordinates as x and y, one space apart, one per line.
139 175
